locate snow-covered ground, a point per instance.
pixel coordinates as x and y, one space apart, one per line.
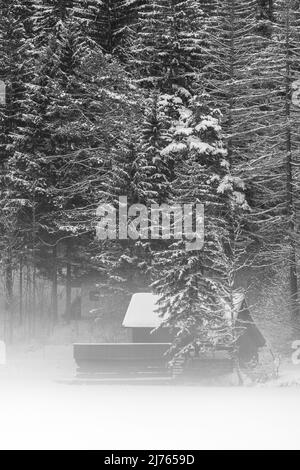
37 412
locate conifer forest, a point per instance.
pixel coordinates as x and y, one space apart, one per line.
162 102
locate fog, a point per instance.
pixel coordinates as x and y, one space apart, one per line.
48 415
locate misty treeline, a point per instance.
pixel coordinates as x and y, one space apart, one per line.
161 101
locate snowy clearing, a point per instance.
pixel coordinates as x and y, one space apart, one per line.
36 416
37 412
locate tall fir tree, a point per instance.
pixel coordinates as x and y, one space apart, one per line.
167 49
250 73
274 170
110 23
16 62
140 174
80 104
193 283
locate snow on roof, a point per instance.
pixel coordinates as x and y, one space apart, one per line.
141 312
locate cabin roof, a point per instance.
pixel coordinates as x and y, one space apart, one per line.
141 312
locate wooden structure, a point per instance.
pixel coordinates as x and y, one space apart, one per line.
123 360
143 357
146 355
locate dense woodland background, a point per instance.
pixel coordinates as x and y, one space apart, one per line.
162 101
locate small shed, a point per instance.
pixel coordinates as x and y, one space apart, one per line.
143 320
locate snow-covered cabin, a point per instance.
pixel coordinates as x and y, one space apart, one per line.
144 321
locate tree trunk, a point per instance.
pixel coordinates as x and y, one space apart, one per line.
21 291
9 298
54 286
34 306
68 283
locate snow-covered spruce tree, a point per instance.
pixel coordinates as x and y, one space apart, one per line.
273 172
251 71
50 14
30 177
166 52
236 77
110 23
15 57
207 6
229 74
125 260
159 115
15 64
141 174
288 135
81 101
195 286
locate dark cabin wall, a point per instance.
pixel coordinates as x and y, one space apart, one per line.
143 335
